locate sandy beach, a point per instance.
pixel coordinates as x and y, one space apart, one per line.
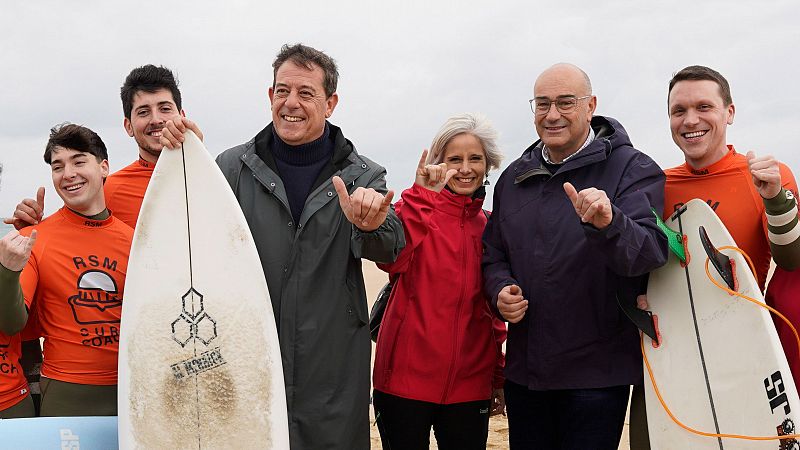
374 279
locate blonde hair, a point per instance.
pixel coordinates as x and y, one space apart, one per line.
475 124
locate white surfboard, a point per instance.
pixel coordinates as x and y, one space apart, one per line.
199 362
720 366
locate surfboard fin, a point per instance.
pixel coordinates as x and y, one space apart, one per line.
641 318
720 262
674 238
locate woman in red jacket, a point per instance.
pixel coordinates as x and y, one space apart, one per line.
439 357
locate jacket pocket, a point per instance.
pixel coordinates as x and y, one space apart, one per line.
388 339
356 305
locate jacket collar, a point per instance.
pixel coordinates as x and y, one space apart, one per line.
456 204
609 134
347 163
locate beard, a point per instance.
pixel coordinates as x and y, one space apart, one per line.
148 148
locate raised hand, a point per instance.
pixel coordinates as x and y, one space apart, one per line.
28 212
364 208
766 174
511 304
172 133
15 249
641 302
498 402
433 176
592 205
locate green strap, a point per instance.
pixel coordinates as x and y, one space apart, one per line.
674 238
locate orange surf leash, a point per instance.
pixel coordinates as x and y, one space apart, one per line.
752 300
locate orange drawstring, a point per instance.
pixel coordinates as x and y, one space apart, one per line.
761 304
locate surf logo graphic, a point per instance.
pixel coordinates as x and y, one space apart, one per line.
787 427
69 441
193 325
775 392
7 366
98 299
193 322
777 397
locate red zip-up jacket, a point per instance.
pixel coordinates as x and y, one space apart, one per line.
439 342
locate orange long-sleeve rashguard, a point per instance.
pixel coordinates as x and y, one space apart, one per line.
125 188
73 287
727 187
13 385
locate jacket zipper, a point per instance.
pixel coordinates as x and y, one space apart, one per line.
456 342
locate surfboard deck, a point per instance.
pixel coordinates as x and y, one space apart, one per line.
47 433
199 362
720 366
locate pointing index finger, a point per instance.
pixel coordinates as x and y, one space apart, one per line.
422 159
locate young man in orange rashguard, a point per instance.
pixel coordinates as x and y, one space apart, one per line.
750 194
150 97
72 281
742 190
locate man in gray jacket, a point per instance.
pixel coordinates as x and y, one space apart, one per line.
287 180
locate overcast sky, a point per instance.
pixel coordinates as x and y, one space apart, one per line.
405 67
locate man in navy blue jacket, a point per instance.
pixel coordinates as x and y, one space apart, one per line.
572 229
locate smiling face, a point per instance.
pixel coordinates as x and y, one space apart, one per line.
299 105
465 153
698 119
78 180
563 133
150 112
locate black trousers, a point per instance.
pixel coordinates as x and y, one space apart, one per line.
568 419
405 424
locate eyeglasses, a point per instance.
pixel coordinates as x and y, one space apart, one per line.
564 105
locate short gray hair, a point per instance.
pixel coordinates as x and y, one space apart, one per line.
475 124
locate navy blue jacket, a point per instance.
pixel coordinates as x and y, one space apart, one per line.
574 335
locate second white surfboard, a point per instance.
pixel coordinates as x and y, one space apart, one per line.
720 366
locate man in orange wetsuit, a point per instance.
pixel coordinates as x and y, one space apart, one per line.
746 192
72 281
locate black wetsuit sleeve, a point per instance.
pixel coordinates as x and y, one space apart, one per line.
13 313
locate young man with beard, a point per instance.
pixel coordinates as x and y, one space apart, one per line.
150 97
73 267
753 196
287 180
